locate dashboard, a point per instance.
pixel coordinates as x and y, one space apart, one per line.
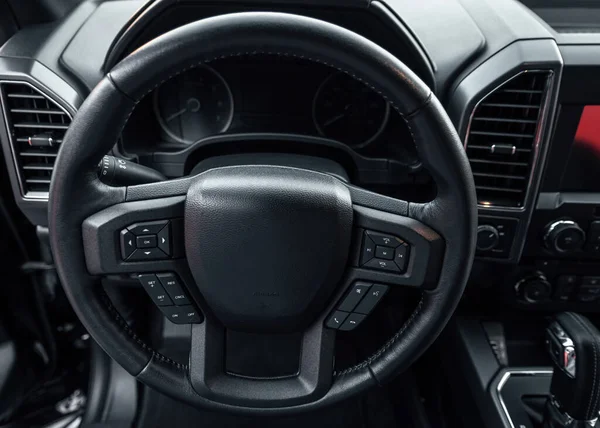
518 80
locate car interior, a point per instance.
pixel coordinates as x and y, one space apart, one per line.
327 213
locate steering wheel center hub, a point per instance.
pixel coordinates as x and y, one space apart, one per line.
267 244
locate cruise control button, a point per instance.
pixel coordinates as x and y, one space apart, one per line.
147 254
384 239
155 290
127 244
182 314
336 319
373 296
147 228
368 250
173 288
386 265
401 257
357 292
146 241
352 322
164 239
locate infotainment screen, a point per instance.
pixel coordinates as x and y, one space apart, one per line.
582 173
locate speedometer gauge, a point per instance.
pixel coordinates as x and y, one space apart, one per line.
194 105
347 110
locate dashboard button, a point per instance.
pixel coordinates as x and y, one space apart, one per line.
384 239
147 254
146 241
385 253
352 322
155 290
173 287
401 257
148 228
372 298
565 286
386 265
590 281
127 244
357 292
368 250
336 319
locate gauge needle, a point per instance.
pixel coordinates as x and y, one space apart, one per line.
334 119
177 114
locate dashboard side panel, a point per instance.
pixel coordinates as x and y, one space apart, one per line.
454 42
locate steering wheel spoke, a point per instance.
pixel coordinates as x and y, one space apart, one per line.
261 370
136 237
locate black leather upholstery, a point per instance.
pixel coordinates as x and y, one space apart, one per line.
580 396
453 214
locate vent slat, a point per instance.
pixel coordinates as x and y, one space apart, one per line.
502 134
34 111
40 126
34 119
507 118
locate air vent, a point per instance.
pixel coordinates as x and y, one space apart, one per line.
37 126
502 138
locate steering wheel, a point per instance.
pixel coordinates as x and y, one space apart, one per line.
261 250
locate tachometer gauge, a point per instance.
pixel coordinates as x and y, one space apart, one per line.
194 105
347 110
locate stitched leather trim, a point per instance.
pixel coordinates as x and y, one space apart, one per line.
128 330
385 347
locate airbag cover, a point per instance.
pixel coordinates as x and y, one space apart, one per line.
267 244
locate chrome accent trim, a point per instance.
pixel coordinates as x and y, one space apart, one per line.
505 377
25 195
543 116
561 348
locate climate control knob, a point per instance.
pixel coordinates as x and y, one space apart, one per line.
564 236
487 237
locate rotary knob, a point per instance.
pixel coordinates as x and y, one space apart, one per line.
534 288
487 237
564 236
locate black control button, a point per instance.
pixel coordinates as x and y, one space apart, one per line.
387 265
384 239
148 228
146 241
182 314
173 288
565 286
401 257
147 254
368 250
357 292
155 290
352 322
164 240
593 238
127 244
588 293
374 295
385 253
336 319
590 281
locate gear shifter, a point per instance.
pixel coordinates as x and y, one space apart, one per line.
574 345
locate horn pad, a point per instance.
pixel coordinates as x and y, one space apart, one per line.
267 245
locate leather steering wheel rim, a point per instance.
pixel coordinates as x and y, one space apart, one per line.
76 192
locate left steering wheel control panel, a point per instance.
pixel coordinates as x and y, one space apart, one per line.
147 241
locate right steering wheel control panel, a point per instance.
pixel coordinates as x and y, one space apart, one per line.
384 252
